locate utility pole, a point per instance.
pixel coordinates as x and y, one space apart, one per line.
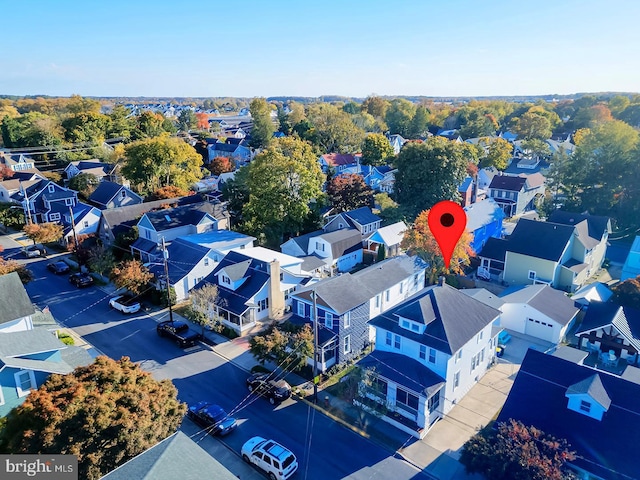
75 236
314 318
27 207
165 256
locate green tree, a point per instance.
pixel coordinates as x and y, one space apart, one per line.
333 129
11 215
132 275
419 122
376 149
86 127
532 125
430 172
498 153
399 116
282 180
187 120
476 122
517 452
236 193
77 104
149 125
348 192
535 148
31 130
84 183
287 345
157 162
101 260
351 108
263 127
202 301
284 124
631 115
617 104
104 413
121 124
43 232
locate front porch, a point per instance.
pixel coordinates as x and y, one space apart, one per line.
602 361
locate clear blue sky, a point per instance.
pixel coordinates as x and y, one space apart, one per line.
250 48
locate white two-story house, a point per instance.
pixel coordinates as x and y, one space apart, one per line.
430 350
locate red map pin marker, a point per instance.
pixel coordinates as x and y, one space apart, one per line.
447 221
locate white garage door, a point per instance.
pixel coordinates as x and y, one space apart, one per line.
539 329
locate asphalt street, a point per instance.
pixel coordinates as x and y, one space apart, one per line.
325 449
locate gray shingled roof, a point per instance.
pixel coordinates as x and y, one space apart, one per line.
105 192
540 239
508 182
547 300
485 296
176 457
451 317
14 301
383 275
362 216
597 225
343 241
593 387
24 342
340 293
184 215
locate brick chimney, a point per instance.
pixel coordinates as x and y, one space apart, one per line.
276 295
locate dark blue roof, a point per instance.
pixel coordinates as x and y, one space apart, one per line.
183 257
235 300
540 239
607 447
105 192
362 215
404 371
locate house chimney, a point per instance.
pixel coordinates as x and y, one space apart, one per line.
441 280
276 295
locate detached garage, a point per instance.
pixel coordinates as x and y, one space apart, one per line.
539 311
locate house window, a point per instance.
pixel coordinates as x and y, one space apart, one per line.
85 224
456 380
415 327
347 320
123 194
320 246
396 341
585 406
388 338
379 387
377 301
263 304
432 355
415 280
206 262
281 276
300 309
532 275
387 295
458 356
347 344
328 319
433 403
51 188
54 216
479 337
25 382
225 279
401 287
423 352
406 324
68 202
406 399
147 234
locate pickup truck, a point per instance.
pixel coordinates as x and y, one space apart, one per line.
178 332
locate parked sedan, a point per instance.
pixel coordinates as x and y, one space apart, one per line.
58 267
212 417
275 390
125 304
33 251
81 280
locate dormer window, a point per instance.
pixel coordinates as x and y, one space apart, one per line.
588 397
51 188
225 279
585 406
68 202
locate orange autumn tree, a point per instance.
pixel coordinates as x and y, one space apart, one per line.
419 240
203 121
220 165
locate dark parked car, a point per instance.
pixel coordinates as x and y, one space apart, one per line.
58 267
275 390
179 332
212 417
81 279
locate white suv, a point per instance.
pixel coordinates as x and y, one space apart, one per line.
271 457
125 303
